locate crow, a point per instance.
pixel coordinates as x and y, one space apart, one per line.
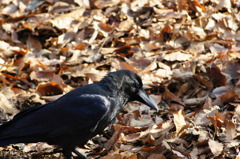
73 119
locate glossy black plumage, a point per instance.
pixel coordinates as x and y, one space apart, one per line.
77 116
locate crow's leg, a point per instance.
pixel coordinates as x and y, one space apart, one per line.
67 153
81 156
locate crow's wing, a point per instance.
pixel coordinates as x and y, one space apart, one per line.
83 115
66 115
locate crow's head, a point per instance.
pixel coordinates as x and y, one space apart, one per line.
131 85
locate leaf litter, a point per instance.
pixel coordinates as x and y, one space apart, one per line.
187 53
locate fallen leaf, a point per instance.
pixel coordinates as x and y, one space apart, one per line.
156 156
177 56
64 21
216 76
231 131
49 89
6 101
179 121
215 147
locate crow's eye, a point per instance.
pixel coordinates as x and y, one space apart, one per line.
137 85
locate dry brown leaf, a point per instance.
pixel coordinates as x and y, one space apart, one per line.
237 112
194 153
108 3
201 119
150 140
125 51
164 73
150 78
204 81
203 136
152 66
95 75
182 5
216 76
148 46
171 97
105 27
179 154
122 155
112 156
115 137
224 4
64 21
231 131
7 101
179 121
141 122
217 120
132 129
196 33
197 4
80 46
34 44
126 25
30 147
156 156
224 95
131 137
233 70
216 48
49 89
125 65
215 147
44 148
177 56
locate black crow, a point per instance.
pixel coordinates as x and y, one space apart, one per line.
77 116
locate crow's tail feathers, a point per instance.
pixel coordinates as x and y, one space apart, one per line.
8 135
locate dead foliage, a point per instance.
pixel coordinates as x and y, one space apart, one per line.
187 53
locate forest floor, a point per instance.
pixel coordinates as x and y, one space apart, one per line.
186 51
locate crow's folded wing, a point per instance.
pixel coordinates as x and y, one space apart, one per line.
66 115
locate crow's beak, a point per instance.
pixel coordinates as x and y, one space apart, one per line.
146 99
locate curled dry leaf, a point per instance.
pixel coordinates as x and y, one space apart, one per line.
49 89
179 121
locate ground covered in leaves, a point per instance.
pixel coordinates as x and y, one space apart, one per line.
186 51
